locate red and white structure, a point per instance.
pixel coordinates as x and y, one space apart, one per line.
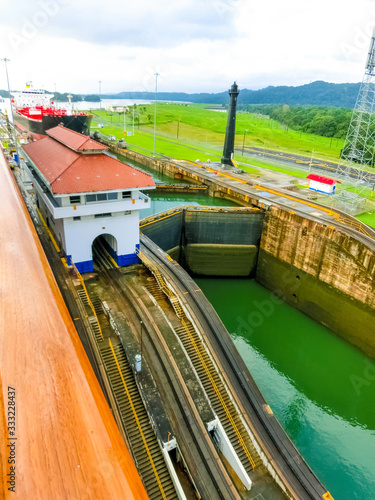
84 193
35 112
322 184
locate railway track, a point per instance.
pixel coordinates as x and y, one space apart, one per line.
212 482
290 465
325 165
145 448
144 444
213 385
233 425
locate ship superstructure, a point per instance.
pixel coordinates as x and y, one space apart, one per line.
35 111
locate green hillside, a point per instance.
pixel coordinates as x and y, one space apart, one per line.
186 131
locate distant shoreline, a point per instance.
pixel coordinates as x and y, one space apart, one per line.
319 93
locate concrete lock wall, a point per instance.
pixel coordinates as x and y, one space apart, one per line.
321 271
210 243
166 232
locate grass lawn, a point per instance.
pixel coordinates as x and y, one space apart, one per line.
366 193
193 132
204 128
368 218
187 147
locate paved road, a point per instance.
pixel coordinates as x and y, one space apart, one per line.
328 167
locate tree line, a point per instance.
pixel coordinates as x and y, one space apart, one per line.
325 121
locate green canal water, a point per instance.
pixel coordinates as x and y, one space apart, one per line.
319 387
162 202
158 177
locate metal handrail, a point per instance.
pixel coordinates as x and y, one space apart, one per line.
218 394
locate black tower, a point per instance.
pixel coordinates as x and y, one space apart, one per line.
231 126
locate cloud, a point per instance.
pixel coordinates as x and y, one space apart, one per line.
195 46
143 23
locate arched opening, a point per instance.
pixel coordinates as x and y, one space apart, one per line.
104 251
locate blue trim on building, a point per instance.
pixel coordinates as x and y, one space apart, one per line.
69 260
319 191
85 267
128 260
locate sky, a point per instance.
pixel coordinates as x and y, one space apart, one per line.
195 46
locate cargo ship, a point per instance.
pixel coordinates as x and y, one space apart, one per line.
35 112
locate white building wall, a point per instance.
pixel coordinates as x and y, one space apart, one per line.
65 201
320 186
80 234
56 225
135 201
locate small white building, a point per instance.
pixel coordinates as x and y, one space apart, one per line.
322 184
84 193
116 109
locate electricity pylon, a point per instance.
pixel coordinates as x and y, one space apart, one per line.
359 145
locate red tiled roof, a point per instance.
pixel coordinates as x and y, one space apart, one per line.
69 172
74 140
323 180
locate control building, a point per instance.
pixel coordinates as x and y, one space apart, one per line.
322 184
83 193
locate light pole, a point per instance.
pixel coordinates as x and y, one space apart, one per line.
156 93
141 322
133 117
5 60
100 95
243 143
